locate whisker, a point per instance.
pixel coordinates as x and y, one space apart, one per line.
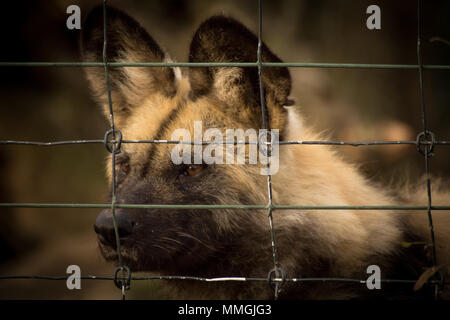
186 235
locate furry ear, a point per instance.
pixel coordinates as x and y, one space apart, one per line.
127 42
222 39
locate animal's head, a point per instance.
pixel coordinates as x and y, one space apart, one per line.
152 102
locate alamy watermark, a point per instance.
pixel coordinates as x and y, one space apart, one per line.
373 22
374 280
238 147
74 20
74 280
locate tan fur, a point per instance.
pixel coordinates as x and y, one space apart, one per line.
331 181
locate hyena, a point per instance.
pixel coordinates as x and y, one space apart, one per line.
152 102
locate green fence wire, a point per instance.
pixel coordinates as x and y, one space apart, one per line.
227 64
425 143
215 206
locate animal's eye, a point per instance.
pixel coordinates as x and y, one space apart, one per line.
125 168
122 169
193 170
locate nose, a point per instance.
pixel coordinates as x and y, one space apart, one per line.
104 226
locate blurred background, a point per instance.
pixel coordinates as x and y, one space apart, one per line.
51 104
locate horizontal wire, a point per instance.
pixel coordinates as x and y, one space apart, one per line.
216 206
159 141
224 64
50 143
203 279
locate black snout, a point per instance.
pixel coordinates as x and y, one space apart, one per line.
104 226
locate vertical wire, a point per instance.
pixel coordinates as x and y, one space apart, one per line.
114 150
419 63
425 133
265 126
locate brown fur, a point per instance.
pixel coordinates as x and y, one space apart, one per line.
149 103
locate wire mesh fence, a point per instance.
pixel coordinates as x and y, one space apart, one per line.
113 140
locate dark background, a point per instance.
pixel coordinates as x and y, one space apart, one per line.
50 104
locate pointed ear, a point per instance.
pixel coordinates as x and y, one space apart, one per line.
222 39
127 42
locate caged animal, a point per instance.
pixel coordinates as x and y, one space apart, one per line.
150 103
